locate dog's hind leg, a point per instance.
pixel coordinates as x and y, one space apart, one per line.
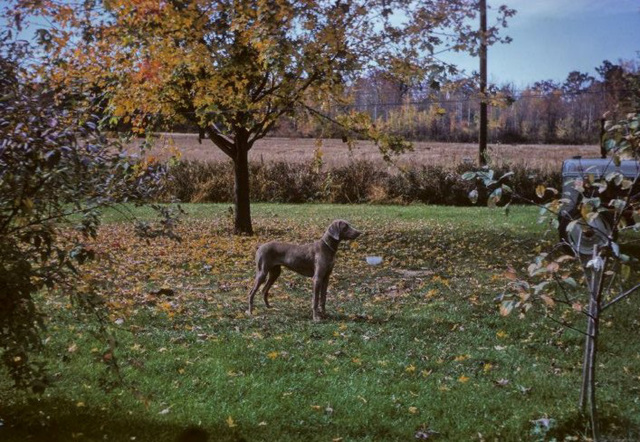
323 295
317 289
273 275
261 277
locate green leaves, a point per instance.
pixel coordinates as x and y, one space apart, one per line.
621 137
57 172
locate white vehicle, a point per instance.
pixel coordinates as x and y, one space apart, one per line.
599 230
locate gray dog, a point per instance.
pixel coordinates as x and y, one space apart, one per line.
313 260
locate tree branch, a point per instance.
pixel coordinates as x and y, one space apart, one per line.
620 297
564 324
225 145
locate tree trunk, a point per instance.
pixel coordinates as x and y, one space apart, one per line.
242 203
588 390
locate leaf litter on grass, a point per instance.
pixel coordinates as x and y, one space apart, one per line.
208 274
198 288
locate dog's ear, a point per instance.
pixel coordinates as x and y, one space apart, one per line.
334 230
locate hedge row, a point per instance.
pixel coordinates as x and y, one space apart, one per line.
357 182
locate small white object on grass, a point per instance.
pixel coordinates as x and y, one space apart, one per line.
374 260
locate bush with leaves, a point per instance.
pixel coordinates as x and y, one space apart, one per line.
587 272
57 172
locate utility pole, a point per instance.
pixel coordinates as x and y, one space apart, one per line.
482 139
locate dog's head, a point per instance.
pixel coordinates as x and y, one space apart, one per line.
341 230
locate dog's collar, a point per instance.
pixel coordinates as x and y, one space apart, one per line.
334 250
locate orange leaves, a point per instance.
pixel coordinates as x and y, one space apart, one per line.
463 379
147 71
506 307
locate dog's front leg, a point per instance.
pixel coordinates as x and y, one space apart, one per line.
317 291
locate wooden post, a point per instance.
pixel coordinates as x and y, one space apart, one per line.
603 132
482 139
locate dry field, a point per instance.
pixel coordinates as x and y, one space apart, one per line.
335 152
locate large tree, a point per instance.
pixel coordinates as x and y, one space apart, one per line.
234 67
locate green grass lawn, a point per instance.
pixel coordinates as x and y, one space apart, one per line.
412 349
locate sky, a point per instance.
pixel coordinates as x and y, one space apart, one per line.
554 37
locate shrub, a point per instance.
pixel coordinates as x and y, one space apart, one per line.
57 171
353 183
356 182
286 183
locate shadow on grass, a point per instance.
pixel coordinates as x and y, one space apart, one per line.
57 420
612 427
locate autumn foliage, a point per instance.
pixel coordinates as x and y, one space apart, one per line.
235 68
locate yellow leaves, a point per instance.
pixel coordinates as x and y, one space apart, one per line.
463 379
461 358
167 308
487 367
432 293
410 369
273 355
437 279
501 334
413 410
119 111
230 422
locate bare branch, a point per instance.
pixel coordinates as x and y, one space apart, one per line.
620 297
564 324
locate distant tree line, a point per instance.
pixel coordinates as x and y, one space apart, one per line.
549 112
